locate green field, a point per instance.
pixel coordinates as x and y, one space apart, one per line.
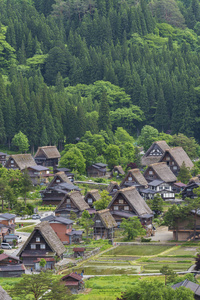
138 250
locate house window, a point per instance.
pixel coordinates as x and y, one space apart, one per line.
114 190
33 246
130 178
42 246
68 205
37 239
57 180
68 201
36 173
126 207
150 172
98 221
116 207
167 158
172 163
89 200
12 161
47 172
121 201
174 167
160 188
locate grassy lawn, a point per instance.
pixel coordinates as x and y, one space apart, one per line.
138 250
24 224
111 287
27 229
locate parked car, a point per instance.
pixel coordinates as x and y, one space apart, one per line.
35 216
6 246
19 239
11 237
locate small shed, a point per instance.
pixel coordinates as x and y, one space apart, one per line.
79 252
74 282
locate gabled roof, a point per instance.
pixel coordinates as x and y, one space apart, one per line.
194 287
50 237
23 161
77 199
4 295
63 179
48 151
4 256
119 169
180 156
163 172
194 179
7 216
94 193
72 275
111 186
156 182
151 159
180 184
1 153
38 168
134 199
61 220
137 175
106 218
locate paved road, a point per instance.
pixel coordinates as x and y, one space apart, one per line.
162 234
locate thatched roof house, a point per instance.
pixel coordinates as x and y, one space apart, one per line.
91 197
47 156
4 295
117 170
113 188
127 203
59 177
106 218
154 153
20 162
159 171
134 177
46 244
104 224
72 202
194 287
175 157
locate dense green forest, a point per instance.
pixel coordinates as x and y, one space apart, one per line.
73 66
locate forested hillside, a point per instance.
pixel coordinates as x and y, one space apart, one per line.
72 66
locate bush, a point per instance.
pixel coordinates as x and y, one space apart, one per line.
143 240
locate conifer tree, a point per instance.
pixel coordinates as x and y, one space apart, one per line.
104 113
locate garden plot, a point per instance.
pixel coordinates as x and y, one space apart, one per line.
137 250
108 269
182 251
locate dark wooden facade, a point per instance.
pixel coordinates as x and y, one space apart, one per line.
188 190
39 175
47 156
100 231
97 170
172 164
2 158
66 207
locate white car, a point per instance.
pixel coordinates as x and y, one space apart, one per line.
36 216
19 239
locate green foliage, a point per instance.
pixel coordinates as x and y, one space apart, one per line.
184 174
156 204
147 137
21 142
86 221
104 201
132 228
74 160
42 263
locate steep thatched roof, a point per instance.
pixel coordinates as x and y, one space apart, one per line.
106 218
50 237
134 199
163 172
151 159
77 199
63 178
23 161
119 169
94 194
4 295
194 180
112 185
137 175
180 156
48 152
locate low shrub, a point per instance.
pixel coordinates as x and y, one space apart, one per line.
144 240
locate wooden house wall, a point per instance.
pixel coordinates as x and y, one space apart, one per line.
9 261
151 175
90 196
94 172
12 165
42 241
2 159
53 197
121 202
171 163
